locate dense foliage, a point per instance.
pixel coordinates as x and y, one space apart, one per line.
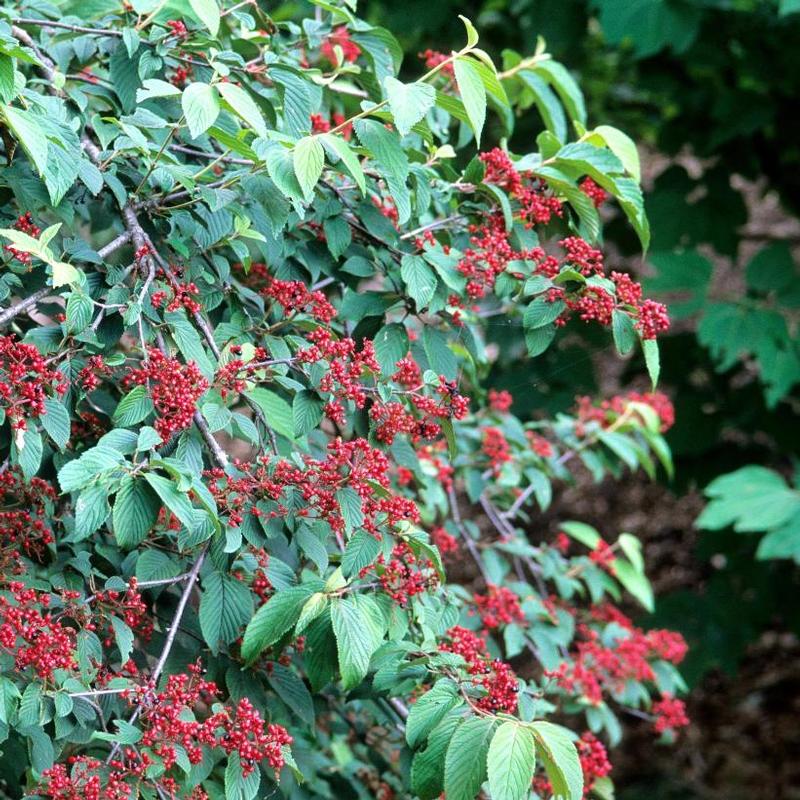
247 284
707 88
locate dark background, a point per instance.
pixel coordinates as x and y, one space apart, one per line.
710 92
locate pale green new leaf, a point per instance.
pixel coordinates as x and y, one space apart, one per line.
408 102
208 13
465 762
244 105
473 94
200 104
511 762
308 158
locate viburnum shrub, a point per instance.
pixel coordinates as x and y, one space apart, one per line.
245 421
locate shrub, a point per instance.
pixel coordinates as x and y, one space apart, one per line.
247 281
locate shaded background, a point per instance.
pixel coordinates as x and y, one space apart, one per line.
709 88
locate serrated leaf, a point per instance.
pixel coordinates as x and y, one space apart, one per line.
135 512
291 689
473 94
277 411
308 158
350 506
465 761
208 13
408 102
275 618
361 551
350 160
623 331
427 768
511 762
244 105
419 279
134 407
56 422
91 510
559 755
429 710
358 631
652 360
226 604
200 104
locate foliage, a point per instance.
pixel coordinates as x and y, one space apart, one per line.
247 280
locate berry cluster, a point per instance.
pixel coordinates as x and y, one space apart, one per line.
348 49
495 448
91 375
404 575
33 635
607 412
26 380
600 666
670 714
296 297
499 606
493 675
174 389
25 224
25 511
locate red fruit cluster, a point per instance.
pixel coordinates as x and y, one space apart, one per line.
24 224
174 389
177 28
86 779
25 509
320 124
184 295
340 37
594 192
607 412
536 206
499 606
348 464
445 542
495 448
34 637
26 380
500 401
167 725
670 714
494 675
433 58
594 761
295 297
346 366
598 666
603 556
539 444
128 606
91 376
404 575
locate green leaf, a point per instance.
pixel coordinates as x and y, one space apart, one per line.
134 407
275 618
539 339
308 158
624 332
550 109
652 360
342 149
357 625
226 604
200 104
750 499
208 13
409 102
391 344
29 455
361 551
430 709
176 501
28 133
390 159
419 278
277 411
542 312
123 636
566 87
559 755
511 762
153 88
585 534
427 768
244 105
306 411
291 689
56 422
350 505
79 311
465 761
135 512
6 78
472 34
91 510
634 582
473 94
623 147
237 787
